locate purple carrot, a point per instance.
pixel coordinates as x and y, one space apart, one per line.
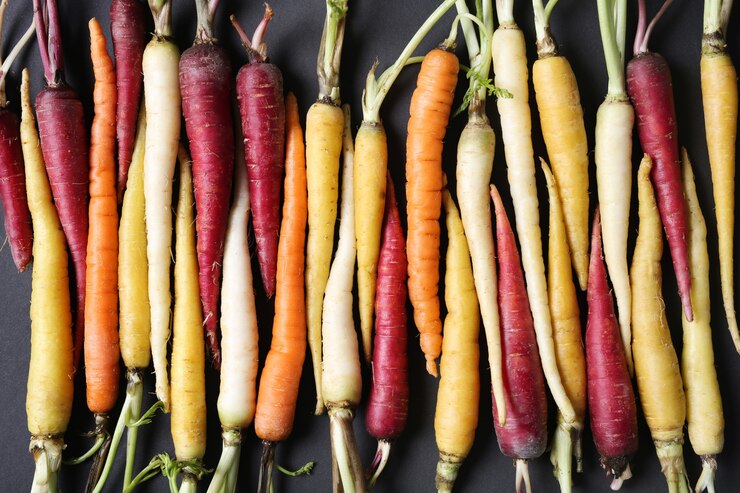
524 434
611 399
259 90
205 84
63 138
128 31
387 406
12 176
650 88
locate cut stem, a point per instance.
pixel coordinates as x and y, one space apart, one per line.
344 448
100 458
228 465
134 394
379 462
162 14
47 454
611 34
670 455
330 51
522 476
708 471
267 460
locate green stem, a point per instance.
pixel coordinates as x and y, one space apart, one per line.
204 32
152 469
101 457
377 89
304 469
147 417
330 51
561 455
724 16
344 447
228 464
92 451
712 9
116 439
12 56
471 40
612 53
189 484
47 454
670 455
134 393
162 14
505 11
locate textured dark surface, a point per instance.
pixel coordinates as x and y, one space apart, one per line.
379 29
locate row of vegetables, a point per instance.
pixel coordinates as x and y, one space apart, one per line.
119 306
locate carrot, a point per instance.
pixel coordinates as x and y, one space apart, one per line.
101 310
387 405
62 130
650 88
17 217
475 152
324 127
456 414
719 95
237 393
611 400
128 34
524 434
371 164
613 156
429 112
564 132
188 423
50 383
703 401
281 375
162 93
341 377
205 85
510 68
259 91
656 365
566 325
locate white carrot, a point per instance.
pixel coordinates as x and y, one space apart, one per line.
510 67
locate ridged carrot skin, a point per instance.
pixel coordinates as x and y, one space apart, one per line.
280 379
13 190
706 422
720 97
456 414
430 109
651 90
611 400
188 421
205 85
101 311
324 127
524 434
259 91
128 34
564 132
656 364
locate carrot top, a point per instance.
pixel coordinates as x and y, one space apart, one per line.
162 13
205 9
256 48
643 32
330 51
613 27
50 41
5 64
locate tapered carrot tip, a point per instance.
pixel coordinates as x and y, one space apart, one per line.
432 367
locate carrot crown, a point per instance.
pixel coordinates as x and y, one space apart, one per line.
330 51
545 43
5 64
643 32
613 27
46 18
206 10
256 48
162 13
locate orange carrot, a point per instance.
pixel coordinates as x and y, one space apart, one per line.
278 390
101 309
430 112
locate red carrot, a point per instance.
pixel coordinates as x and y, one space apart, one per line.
650 88
524 434
259 90
205 82
62 133
611 399
387 405
128 32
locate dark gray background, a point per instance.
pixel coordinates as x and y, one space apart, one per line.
380 29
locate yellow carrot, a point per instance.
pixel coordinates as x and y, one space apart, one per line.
720 97
324 128
456 416
703 401
656 365
566 328
188 421
50 386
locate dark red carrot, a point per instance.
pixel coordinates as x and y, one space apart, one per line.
524 434
387 405
259 90
12 175
128 32
651 91
205 84
611 399
63 138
